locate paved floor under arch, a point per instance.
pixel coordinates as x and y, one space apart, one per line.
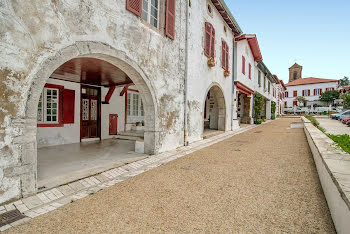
263 180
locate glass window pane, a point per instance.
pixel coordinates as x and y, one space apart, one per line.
154 3
48 111
154 12
48 118
154 22
54 118
48 92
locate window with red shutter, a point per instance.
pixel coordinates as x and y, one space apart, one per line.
243 65
295 93
295 103
308 92
303 93
135 6
209 47
314 91
170 19
250 71
224 52
68 106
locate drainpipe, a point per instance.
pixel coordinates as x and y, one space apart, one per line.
186 76
234 73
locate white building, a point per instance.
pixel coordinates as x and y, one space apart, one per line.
156 74
310 88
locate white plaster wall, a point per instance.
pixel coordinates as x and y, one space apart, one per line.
312 97
200 76
69 133
116 106
243 49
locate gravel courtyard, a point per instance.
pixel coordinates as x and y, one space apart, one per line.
263 180
333 126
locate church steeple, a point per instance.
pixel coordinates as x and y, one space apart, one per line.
295 72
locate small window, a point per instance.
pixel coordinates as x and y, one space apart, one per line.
134 105
259 78
225 29
128 108
264 82
268 86
209 9
224 55
250 71
150 9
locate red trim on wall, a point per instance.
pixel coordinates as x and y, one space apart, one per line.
109 94
60 106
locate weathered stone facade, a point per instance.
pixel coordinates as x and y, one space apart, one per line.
39 36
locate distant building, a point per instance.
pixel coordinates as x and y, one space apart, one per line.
295 72
310 88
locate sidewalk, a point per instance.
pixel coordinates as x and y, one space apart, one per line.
263 180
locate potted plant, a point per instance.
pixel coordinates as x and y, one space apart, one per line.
211 62
263 118
226 73
138 123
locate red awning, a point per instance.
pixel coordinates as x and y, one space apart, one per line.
243 89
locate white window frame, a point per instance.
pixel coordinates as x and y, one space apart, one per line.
130 107
44 108
149 7
317 92
306 92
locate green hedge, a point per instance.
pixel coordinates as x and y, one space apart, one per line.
258 121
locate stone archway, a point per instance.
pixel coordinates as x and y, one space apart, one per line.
215 108
80 50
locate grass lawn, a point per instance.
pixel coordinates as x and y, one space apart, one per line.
342 141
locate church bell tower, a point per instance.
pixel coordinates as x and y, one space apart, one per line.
295 72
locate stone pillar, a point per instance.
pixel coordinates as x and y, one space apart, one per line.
18 172
235 122
268 109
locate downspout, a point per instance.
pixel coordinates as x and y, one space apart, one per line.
233 84
186 76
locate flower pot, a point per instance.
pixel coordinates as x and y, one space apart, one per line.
211 63
226 73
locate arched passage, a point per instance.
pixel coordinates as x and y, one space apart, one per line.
214 109
97 51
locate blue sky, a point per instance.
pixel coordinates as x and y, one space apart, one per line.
313 33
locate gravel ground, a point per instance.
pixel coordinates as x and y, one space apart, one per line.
263 180
333 126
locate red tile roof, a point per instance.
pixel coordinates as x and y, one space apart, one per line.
253 44
310 80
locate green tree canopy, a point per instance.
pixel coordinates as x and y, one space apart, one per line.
329 96
300 99
346 100
344 81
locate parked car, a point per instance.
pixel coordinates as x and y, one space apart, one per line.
348 123
345 120
343 115
337 115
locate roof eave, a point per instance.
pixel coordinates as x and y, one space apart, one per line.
228 17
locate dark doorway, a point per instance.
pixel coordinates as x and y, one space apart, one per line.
90 112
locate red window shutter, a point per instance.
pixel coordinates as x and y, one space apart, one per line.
332 89
209 40
285 104
170 19
308 92
295 103
243 64
314 91
320 91
303 92
250 71
295 93
224 53
68 106
135 6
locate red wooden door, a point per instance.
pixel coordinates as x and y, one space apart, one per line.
113 124
90 112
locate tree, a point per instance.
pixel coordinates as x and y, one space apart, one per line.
344 81
346 100
258 105
300 99
329 96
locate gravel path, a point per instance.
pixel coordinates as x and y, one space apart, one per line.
263 180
